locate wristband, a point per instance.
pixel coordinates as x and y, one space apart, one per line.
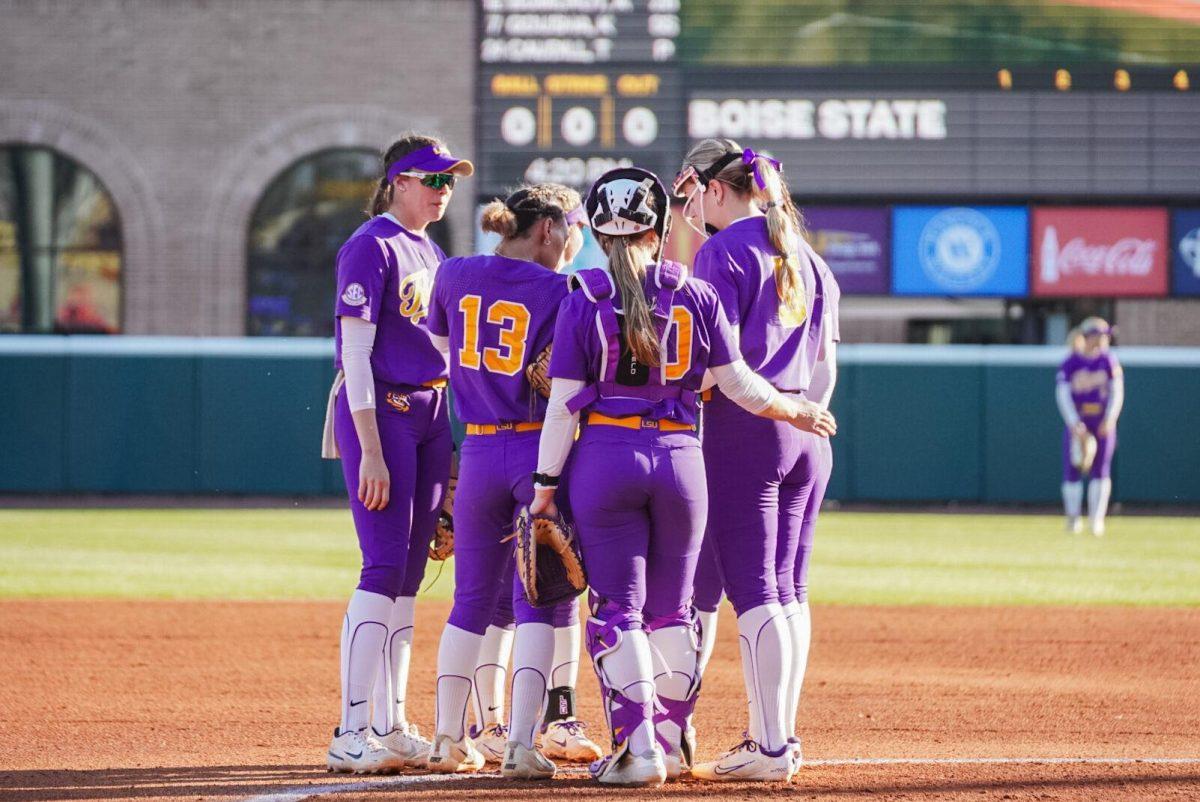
545 480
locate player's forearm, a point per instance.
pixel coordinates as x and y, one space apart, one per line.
1066 404
367 428
1116 400
358 340
558 430
752 392
824 378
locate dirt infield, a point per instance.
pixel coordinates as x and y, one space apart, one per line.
168 700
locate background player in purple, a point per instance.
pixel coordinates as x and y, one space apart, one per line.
1090 390
388 421
497 313
766 480
631 347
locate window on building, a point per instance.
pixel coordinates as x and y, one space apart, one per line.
60 246
301 221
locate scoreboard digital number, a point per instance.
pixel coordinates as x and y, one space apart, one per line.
570 125
577 31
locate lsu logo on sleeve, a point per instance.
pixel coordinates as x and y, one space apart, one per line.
415 290
508 356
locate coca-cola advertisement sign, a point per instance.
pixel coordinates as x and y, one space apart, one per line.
1108 251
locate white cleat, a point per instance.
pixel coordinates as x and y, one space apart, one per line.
449 756
646 770
679 759
1098 528
566 739
797 753
1074 526
406 741
523 763
746 762
491 742
357 752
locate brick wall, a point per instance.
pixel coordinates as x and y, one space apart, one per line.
188 109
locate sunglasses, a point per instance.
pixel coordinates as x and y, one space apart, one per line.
435 180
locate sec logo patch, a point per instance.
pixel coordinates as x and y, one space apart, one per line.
354 295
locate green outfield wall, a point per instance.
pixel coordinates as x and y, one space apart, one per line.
214 416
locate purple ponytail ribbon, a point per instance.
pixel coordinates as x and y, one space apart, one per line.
750 158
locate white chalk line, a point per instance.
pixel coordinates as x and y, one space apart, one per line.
403 780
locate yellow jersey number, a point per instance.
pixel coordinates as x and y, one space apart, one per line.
676 367
508 357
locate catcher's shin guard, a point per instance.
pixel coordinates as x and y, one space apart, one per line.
677 640
621 656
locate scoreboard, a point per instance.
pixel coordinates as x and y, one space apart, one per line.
570 88
578 31
570 125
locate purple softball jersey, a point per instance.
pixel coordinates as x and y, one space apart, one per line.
777 344
1088 378
499 314
697 336
384 276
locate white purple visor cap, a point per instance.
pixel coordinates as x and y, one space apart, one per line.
430 159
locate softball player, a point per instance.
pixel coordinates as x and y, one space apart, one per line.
497 314
766 479
631 347
1090 390
388 421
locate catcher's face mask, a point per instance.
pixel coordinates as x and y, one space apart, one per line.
690 185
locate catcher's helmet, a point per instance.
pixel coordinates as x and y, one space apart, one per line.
617 203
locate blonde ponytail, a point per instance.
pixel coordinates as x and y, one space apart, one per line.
627 258
784 231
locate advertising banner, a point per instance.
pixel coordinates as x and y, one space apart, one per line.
1185 251
855 242
956 250
1099 251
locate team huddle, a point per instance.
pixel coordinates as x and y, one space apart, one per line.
675 421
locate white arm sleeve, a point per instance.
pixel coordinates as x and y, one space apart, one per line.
744 387
820 388
558 432
1116 398
439 342
1066 406
358 338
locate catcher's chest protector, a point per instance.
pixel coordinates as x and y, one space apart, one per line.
600 289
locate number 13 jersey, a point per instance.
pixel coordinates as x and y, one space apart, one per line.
498 314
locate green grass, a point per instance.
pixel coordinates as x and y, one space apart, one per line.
860 558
